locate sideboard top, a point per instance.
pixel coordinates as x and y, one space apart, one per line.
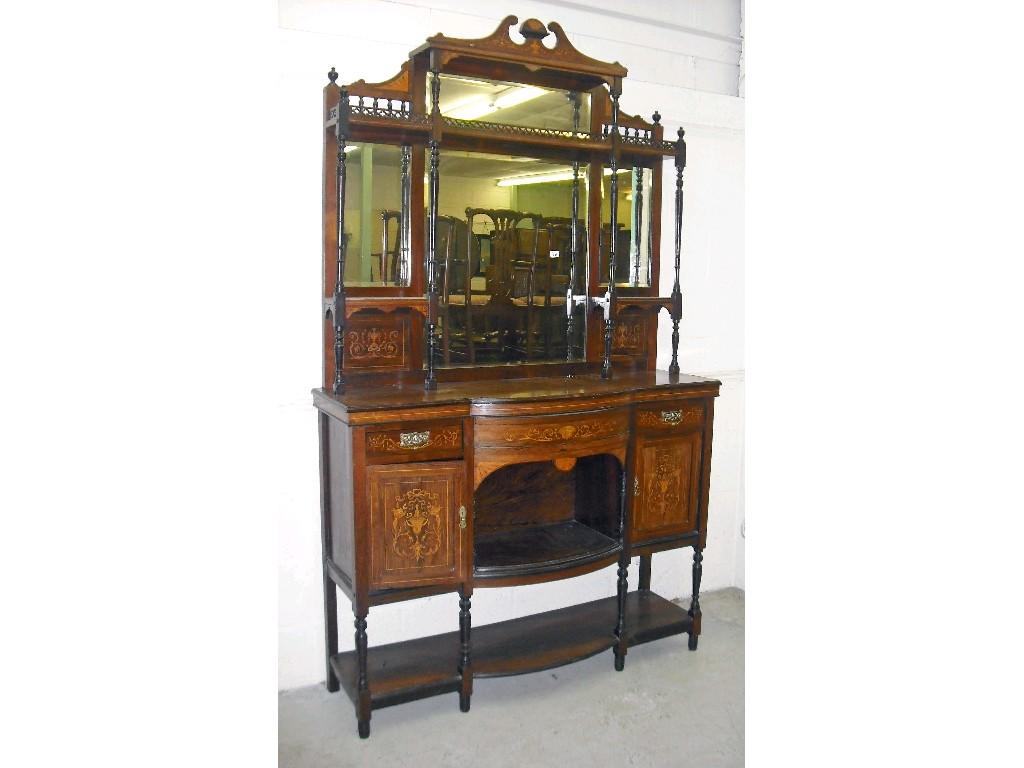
496 397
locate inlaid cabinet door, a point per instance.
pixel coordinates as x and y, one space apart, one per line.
666 488
415 524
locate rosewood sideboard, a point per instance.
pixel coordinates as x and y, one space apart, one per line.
491 414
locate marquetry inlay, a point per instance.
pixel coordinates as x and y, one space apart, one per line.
416 524
664 484
449 437
671 417
374 344
553 433
628 337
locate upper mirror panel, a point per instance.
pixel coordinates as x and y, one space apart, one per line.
376 215
494 101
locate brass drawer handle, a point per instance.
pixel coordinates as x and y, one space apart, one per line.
413 440
462 517
671 417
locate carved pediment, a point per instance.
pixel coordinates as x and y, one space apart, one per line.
532 52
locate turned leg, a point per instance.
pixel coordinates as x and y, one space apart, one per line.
620 639
465 664
694 611
645 573
330 629
363 687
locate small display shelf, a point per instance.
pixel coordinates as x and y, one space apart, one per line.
539 549
534 518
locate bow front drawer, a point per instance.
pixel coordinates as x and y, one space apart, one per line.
576 433
415 442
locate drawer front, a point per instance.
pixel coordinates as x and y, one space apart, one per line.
666 488
568 431
512 440
415 442
415 524
670 417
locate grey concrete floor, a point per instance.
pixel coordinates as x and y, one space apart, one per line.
669 707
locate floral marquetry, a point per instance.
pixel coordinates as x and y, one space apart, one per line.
414 521
416 524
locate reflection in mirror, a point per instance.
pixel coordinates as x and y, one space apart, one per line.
494 101
633 229
505 258
376 215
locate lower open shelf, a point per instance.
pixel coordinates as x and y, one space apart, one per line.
428 666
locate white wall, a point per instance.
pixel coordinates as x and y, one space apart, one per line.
683 60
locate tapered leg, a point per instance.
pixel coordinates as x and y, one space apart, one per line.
330 591
694 611
620 639
330 629
465 662
645 572
363 687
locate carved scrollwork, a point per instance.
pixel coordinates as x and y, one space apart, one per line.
416 525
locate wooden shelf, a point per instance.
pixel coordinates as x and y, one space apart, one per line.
537 549
428 666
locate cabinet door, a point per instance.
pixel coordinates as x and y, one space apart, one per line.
667 485
415 533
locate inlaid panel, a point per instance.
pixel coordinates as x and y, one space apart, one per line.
377 340
630 335
666 486
415 524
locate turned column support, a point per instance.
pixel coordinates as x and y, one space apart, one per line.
677 296
620 625
609 300
465 661
338 306
694 611
362 684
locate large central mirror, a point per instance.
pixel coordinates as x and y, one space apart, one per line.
505 258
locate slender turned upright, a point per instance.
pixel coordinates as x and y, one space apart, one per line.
609 307
430 380
338 311
677 295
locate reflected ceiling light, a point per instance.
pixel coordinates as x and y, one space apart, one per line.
479 106
535 178
541 178
350 148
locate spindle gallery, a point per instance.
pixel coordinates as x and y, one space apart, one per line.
491 414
